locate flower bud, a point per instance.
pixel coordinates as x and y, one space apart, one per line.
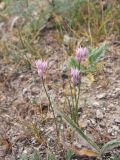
75 77
41 67
81 53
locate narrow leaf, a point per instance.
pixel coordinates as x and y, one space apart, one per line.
74 126
110 145
116 158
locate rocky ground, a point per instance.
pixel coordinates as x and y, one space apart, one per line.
25 120
20 87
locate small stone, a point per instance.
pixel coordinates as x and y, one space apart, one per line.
101 96
84 116
92 121
25 152
92 103
95 104
110 130
77 144
26 94
42 129
66 39
116 128
69 40
117 90
35 90
117 121
116 93
114 133
99 114
102 125
83 124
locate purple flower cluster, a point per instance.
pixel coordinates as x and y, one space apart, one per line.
81 53
75 77
41 67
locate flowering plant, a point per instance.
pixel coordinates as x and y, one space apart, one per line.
73 99
41 66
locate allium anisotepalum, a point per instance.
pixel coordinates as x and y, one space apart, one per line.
75 83
41 68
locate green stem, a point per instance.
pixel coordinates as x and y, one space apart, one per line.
75 109
78 96
77 100
50 103
77 103
70 107
72 97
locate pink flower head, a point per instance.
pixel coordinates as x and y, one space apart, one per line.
75 77
41 67
81 53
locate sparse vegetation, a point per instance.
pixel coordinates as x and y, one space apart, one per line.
47 111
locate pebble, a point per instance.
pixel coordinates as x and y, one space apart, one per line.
117 90
116 93
101 96
68 40
117 120
26 94
35 90
41 129
95 104
99 114
25 152
92 103
116 128
102 125
112 132
91 121
83 124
